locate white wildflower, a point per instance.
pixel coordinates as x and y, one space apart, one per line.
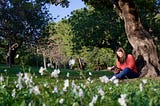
27 79
55 90
101 92
90 73
92 81
74 104
35 90
122 100
55 73
104 79
20 79
141 87
116 82
73 84
89 79
67 74
82 85
61 101
5 70
17 56
1 79
144 81
49 65
20 74
41 70
13 93
74 88
3 86
94 100
66 85
80 94
45 85
19 86
43 104
91 104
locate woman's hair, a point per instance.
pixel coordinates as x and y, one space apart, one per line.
121 59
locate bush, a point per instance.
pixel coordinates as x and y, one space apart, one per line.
98 58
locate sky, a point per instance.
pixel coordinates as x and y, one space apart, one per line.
62 12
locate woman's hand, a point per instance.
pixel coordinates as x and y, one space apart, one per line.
111 68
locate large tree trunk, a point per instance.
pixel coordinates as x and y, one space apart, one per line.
145 50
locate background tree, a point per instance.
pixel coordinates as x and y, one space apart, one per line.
21 22
97 28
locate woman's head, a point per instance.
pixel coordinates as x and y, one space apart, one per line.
121 55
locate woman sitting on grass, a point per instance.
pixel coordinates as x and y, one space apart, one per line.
126 64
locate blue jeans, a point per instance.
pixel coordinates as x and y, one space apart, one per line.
127 72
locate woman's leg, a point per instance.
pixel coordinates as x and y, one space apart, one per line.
126 72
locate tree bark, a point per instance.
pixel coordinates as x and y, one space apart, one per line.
145 50
11 53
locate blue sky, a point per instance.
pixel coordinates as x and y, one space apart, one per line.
62 12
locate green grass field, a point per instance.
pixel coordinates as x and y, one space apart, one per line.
80 88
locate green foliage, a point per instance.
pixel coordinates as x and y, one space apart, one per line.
97 28
99 3
97 58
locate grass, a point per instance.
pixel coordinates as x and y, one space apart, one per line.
137 91
15 69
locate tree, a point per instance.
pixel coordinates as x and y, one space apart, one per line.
143 44
144 47
22 22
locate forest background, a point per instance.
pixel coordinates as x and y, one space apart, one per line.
29 35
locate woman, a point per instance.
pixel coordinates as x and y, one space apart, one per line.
126 64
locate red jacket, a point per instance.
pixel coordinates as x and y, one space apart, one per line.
129 63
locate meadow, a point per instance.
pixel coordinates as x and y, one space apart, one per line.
35 86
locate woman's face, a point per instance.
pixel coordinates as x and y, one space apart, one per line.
120 54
